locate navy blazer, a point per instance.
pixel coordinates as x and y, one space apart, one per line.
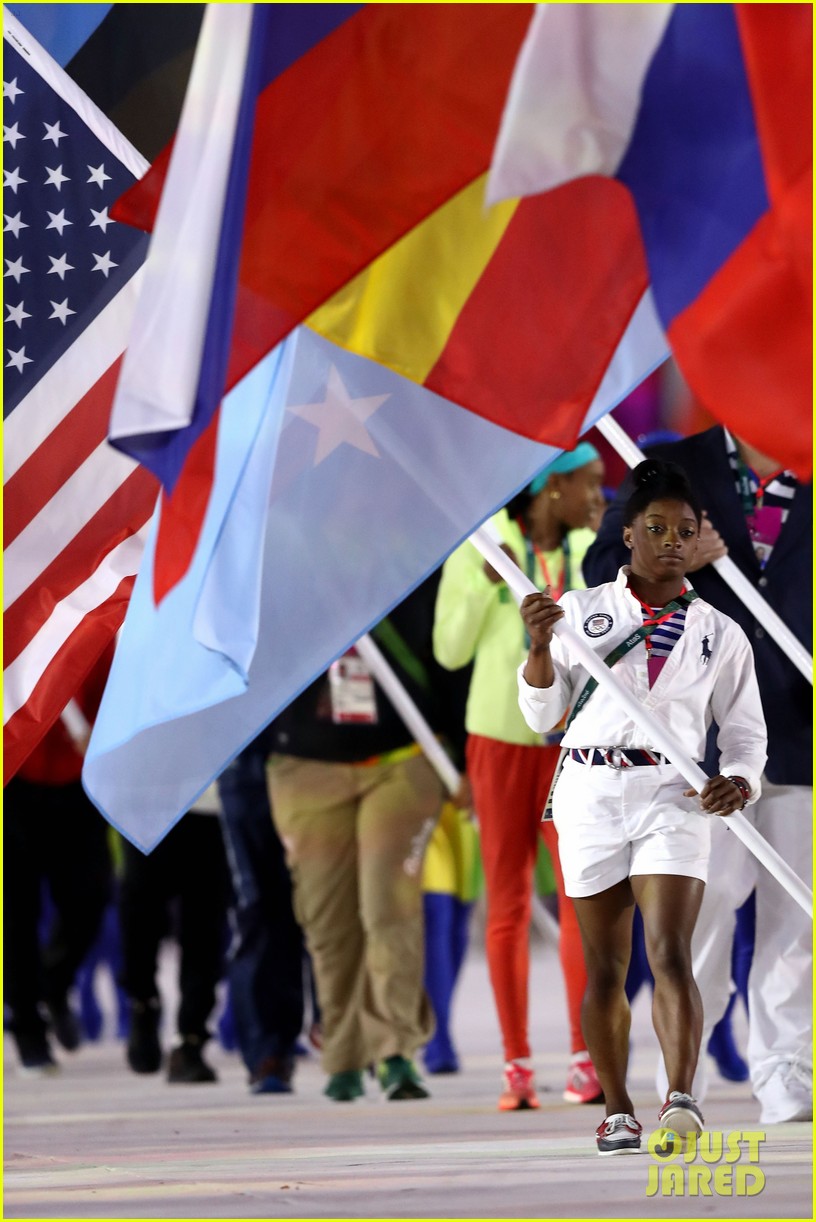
786 584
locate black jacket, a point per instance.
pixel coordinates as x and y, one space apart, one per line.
305 728
786 584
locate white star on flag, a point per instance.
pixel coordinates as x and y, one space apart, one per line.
11 90
13 179
58 221
14 224
54 132
15 269
98 175
11 135
339 418
104 263
61 311
17 313
59 266
17 359
101 220
72 540
56 177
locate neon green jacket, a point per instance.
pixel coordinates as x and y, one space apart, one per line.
479 621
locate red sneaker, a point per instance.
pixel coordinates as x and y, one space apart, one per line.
519 1089
582 1082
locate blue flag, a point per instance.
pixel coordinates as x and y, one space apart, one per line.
341 486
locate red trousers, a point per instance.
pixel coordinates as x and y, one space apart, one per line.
510 786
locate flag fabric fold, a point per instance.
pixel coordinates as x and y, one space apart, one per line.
365 119
73 510
550 284
375 480
703 114
166 384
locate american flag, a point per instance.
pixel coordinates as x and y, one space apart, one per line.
74 507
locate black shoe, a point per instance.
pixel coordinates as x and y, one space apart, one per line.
143 1047
35 1055
186 1063
65 1025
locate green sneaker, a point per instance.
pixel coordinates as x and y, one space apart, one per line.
344 1086
400 1080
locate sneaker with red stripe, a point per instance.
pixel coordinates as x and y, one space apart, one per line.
619 1134
681 1113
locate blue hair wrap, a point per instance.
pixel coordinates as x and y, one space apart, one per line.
570 460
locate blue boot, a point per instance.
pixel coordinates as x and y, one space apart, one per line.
730 1064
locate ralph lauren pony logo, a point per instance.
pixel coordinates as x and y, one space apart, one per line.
706 654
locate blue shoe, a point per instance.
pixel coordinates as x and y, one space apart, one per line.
721 1046
273 1077
439 1057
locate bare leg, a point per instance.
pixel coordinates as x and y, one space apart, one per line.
669 904
605 921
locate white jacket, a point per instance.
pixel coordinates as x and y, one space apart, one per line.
708 675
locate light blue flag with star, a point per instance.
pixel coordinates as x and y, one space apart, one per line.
339 487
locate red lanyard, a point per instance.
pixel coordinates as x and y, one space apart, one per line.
763 484
555 591
652 619
533 551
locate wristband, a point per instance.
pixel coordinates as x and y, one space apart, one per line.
743 786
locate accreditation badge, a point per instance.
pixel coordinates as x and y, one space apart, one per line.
353 697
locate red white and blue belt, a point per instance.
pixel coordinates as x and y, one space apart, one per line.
617 757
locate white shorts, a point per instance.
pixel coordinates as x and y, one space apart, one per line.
615 823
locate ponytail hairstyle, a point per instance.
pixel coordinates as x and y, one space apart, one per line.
656 480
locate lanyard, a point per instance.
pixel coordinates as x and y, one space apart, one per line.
534 553
640 634
751 487
656 616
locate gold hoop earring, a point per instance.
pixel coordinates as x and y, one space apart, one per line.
555 495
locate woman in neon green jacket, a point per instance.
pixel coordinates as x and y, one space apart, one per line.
509 766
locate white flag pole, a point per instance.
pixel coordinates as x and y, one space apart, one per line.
382 671
725 566
408 711
658 733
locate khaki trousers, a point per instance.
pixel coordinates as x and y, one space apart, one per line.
355 836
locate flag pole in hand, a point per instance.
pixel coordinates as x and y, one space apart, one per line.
658 733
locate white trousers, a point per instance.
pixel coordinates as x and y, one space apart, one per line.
780 985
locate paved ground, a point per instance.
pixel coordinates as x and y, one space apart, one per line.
100 1142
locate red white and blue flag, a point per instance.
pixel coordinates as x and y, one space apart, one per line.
703 111
73 509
